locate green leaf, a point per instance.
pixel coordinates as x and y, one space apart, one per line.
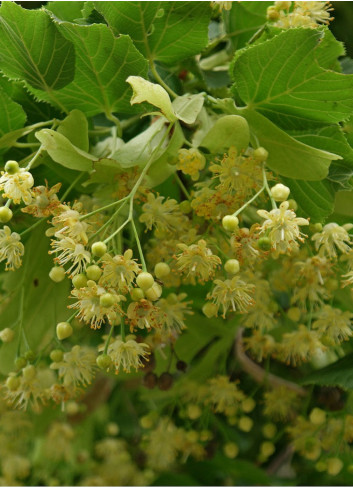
164 31
61 150
338 374
103 63
32 49
44 302
332 139
244 20
75 128
229 130
281 78
66 10
187 107
344 203
315 199
12 117
287 156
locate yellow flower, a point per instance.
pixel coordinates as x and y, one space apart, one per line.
334 324
299 346
282 226
331 237
144 315
45 201
11 248
17 186
190 162
90 308
77 367
223 393
67 222
164 216
197 260
174 309
119 271
68 250
128 355
280 403
234 293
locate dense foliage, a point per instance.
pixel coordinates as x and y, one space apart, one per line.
176 244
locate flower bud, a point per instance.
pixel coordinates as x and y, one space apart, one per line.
185 207
137 294
317 416
193 411
5 214
7 335
11 167
280 192
93 272
245 424
267 448
154 293
230 450
209 309
145 280
29 372
57 274
13 383
334 465
63 330
248 405
79 281
269 430
260 154
99 248
232 266
104 361
56 355
107 300
230 223
161 270
293 205
264 243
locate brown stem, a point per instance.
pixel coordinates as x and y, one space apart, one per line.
258 373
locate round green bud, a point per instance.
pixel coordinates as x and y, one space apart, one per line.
20 362
107 300
321 466
145 280
161 270
230 223
99 248
230 449
104 361
248 405
30 356
264 244
57 274
93 272
293 205
280 192
5 214
272 13
315 227
185 207
269 430
260 154
112 429
63 330
193 411
7 335
267 448
294 314
11 167
79 281
317 416
232 266
245 424
154 293
13 383
29 372
334 465
209 309
56 355
137 294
